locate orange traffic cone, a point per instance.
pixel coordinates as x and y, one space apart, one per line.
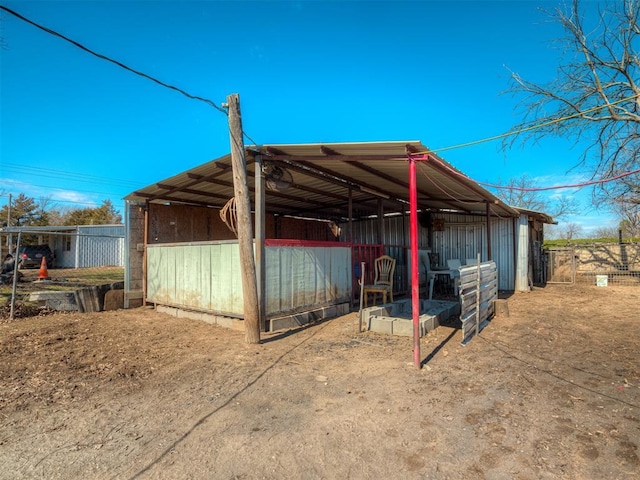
44 273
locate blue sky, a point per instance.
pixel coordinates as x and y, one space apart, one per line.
78 129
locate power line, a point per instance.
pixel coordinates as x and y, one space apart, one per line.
52 173
575 185
92 204
538 189
115 62
531 127
211 103
467 144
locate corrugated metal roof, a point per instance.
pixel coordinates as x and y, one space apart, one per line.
322 174
540 216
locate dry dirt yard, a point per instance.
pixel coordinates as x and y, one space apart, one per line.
551 391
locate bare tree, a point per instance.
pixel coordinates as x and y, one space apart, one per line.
605 232
521 192
570 231
595 97
629 215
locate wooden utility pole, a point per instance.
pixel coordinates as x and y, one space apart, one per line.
245 232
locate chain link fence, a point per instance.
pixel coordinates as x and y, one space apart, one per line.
73 269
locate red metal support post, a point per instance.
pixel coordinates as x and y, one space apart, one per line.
415 287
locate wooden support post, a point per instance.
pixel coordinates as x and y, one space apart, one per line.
145 243
489 255
350 215
381 233
245 233
259 241
515 223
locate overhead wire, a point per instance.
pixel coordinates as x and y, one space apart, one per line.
50 31
207 101
66 175
67 189
461 145
109 59
557 187
435 184
537 189
534 126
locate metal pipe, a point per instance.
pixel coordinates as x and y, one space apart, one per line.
15 278
361 282
415 287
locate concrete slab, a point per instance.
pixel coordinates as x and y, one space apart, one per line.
303 318
84 299
227 322
62 300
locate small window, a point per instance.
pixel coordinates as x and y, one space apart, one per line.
67 243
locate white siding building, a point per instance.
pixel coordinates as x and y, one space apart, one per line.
80 246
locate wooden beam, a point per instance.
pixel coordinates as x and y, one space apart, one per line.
343 158
169 198
346 180
329 151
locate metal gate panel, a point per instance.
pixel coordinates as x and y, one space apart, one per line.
561 265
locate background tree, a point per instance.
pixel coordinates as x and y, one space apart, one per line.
570 231
25 211
609 233
104 215
521 192
602 69
629 215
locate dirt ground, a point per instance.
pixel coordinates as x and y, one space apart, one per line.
551 391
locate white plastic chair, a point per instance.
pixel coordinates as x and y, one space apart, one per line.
453 265
383 283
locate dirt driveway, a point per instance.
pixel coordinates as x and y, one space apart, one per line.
552 391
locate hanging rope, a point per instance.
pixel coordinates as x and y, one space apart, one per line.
229 216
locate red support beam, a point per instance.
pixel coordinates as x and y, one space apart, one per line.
415 287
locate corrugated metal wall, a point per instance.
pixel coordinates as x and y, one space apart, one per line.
100 245
464 236
206 276
522 273
197 276
503 251
301 278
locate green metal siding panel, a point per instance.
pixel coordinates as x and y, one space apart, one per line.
207 277
304 277
202 277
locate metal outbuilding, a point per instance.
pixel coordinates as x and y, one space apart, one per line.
351 196
79 246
